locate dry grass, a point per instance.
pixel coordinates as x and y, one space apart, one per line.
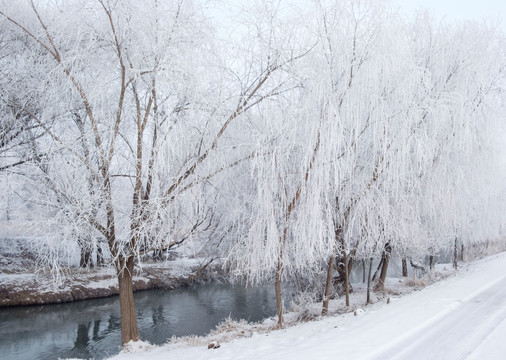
227 330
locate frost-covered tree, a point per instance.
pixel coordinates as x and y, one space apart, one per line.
143 107
300 142
373 154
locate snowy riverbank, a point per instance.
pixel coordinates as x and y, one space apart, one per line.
37 287
470 306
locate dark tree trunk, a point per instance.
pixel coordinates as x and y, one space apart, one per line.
86 260
455 254
347 264
350 263
328 286
369 283
100 256
383 275
363 271
129 327
279 300
431 262
404 267
377 270
7 209
346 278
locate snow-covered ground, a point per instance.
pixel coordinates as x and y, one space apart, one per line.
461 317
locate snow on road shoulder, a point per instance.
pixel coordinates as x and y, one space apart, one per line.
494 346
377 330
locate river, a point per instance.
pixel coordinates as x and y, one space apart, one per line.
91 328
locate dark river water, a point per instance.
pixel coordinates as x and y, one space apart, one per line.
91 328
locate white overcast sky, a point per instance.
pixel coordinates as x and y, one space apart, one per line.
460 9
451 10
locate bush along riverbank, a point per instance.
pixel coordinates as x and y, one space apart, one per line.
73 284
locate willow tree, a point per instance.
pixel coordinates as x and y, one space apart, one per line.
144 101
367 157
450 116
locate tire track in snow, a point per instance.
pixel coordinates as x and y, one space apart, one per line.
456 333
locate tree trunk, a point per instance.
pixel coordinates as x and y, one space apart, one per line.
129 327
404 267
100 256
328 286
339 234
86 260
350 264
346 278
383 275
431 262
455 254
378 269
363 271
279 300
7 208
369 283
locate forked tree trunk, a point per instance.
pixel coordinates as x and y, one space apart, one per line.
129 328
378 269
384 269
383 274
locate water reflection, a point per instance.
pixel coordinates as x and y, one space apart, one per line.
91 329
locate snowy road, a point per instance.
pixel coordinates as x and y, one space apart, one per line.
462 317
459 331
